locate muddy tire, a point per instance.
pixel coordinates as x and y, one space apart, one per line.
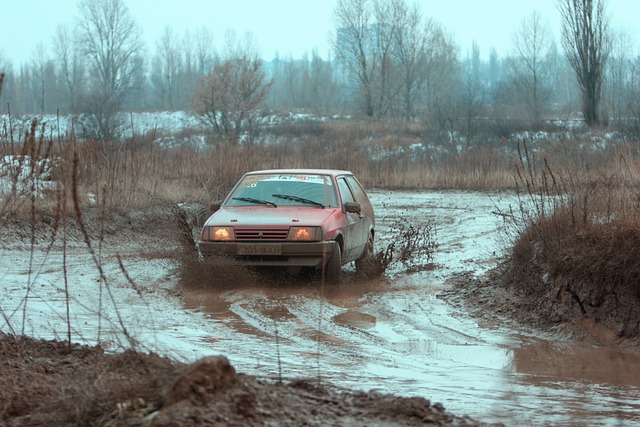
333 269
363 262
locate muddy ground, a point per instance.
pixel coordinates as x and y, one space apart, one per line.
388 334
49 383
52 382
556 312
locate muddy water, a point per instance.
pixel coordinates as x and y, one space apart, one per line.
393 334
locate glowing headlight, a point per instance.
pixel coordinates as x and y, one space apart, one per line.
220 234
305 234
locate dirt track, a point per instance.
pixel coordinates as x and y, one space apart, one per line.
398 333
393 334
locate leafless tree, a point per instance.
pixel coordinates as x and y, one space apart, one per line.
40 67
618 85
69 64
587 44
165 73
3 97
471 101
411 52
389 16
236 47
354 46
443 79
204 51
634 100
365 44
112 43
530 65
305 84
324 90
228 99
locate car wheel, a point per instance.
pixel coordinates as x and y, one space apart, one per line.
333 269
363 261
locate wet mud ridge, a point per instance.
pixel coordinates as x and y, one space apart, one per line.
51 383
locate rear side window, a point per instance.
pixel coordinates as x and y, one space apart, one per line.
358 191
345 191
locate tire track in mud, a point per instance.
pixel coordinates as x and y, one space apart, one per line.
356 323
393 333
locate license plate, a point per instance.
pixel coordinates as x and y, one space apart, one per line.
260 250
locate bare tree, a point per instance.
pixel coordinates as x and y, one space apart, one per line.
324 91
366 37
236 47
40 67
354 45
530 65
411 53
443 78
205 53
471 101
13 97
586 41
228 99
303 83
165 73
112 43
618 86
69 63
4 78
389 16
634 100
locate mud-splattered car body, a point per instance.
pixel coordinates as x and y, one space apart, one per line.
314 218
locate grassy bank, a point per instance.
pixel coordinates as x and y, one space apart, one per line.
576 247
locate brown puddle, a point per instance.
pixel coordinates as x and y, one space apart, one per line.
320 336
576 361
210 302
277 313
355 318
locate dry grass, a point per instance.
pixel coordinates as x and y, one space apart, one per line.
577 236
132 174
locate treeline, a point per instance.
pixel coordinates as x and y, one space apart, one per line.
389 61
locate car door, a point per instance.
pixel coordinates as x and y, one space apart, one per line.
356 231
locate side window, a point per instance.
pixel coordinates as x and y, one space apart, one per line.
358 192
345 192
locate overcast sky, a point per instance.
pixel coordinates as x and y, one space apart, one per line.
286 27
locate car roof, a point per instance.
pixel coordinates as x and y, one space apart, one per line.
332 172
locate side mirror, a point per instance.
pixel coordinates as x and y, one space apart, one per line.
215 206
353 207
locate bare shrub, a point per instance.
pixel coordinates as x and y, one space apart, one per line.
227 99
412 245
576 241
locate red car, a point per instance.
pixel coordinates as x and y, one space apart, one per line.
293 218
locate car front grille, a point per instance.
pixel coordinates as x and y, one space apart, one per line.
248 235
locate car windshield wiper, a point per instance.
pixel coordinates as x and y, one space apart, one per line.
298 199
258 201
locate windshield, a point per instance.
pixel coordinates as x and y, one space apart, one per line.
284 190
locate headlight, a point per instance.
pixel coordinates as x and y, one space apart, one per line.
219 234
305 234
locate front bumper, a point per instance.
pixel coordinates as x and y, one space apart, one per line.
281 254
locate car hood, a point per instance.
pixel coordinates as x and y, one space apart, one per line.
270 216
